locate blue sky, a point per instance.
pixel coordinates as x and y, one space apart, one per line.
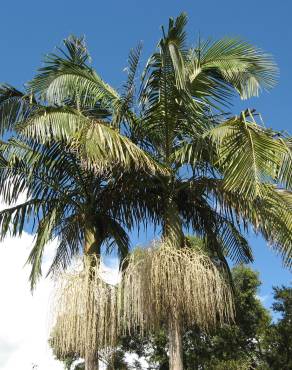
29 29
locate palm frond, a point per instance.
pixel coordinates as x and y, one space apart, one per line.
75 51
234 243
173 45
42 172
274 222
248 155
67 76
269 214
284 176
101 144
44 235
231 63
70 237
120 238
222 232
14 107
122 106
14 218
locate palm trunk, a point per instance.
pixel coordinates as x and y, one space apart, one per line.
91 361
172 225
92 246
175 344
172 231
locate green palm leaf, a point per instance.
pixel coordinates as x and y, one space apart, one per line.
101 144
231 63
248 155
45 234
68 76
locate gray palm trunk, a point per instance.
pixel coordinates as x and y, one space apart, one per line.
172 230
175 344
91 361
92 246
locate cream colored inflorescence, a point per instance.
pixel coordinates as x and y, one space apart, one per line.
84 311
158 282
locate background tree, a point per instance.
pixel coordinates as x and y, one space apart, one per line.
278 341
117 361
241 341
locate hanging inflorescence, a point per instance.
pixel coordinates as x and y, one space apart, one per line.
158 283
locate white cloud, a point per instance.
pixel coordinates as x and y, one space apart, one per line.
23 316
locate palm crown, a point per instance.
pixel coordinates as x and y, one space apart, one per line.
207 170
66 202
225 172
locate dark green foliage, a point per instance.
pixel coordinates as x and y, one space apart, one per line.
250 322
278 341
116 361
80 366
153 348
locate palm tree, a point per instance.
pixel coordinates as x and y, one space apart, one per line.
226 173
70 197
65 201
206 170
